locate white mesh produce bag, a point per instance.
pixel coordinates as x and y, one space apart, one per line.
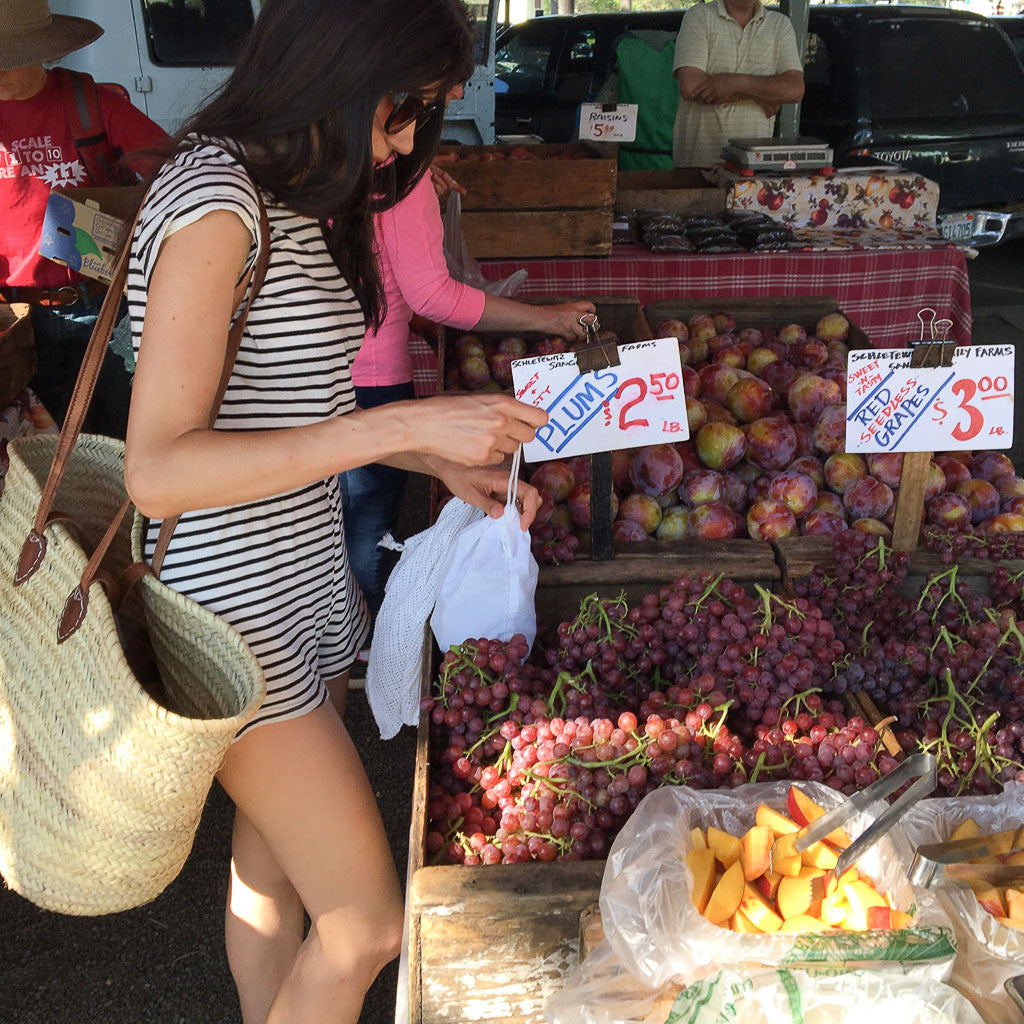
489 585
658 934
394 672
988 952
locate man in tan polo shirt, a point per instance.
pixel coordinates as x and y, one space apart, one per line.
736 64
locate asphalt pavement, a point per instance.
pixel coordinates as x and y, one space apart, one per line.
164 963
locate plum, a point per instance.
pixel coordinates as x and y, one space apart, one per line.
795 490
759 359
724 322
627 531
964 457
716 379
954 471
949 510
731 355
990 466
667 500
580 466
828 435
579 506
934 482
720 341
643 510
702 327
672 329
691 382
500 364
771 443
696 415
686 452
622 459
1004 522
981 496
867 498
469 345
1014 505
555 477
818 523
701 486
717 413
887 467
808 394
674 523
873 526
757 489
698 350
778 376
747 471
549 346
844 469
734 492
792 334
837 377
809 466
833 327
547 507
1009 487
804 439
656 469
770 520
474 372
714 521
811 354
829 502
685 354
750 400
720 445
515 346
750 336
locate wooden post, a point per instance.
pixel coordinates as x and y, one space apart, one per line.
910 500
602 548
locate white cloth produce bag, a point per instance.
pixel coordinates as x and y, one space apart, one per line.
489 585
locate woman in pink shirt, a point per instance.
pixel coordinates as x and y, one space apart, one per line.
415 277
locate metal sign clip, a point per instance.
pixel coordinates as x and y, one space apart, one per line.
938 348
596 355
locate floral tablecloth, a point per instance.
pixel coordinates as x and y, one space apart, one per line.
25 416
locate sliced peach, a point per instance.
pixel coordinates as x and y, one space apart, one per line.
804 810
702 866
1011 923
804 923
967 829
756 851
768 884
808 871
1015 859
725 899
834 909
739 922
785 859
1015 904
999 844
758 913
797 896
726 847
698 841
991 901
849 875
818 855
778 823
861 896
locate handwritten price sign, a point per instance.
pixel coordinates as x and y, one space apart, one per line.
892 407
608 122
637 403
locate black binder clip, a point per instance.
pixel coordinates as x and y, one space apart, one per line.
596 355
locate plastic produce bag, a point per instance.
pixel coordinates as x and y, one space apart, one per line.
598 994
393 674
461 264
988 952
656 932
489 583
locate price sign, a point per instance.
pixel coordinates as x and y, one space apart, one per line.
639 402
893 407
608 122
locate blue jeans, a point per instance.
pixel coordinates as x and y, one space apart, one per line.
371 498
62 334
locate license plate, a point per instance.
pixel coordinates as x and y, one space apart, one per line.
958 227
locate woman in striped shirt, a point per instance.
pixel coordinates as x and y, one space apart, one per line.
333 105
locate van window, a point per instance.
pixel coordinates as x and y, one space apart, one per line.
522 60
196 33
819 77
983 81
576 64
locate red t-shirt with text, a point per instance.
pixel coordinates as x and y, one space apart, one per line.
37 153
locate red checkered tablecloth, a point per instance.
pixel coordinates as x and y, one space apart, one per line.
882 290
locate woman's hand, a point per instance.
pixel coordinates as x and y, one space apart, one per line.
444 184
473 429
564 319
485 488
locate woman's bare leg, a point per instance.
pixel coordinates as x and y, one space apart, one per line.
301 785
338 690
264 922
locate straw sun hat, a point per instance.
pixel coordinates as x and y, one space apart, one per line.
30 34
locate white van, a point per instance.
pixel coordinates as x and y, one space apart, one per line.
171 54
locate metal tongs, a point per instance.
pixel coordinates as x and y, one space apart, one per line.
941 865
596 355
919 766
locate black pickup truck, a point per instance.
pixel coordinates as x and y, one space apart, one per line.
936 90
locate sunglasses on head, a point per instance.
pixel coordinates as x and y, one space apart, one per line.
407 107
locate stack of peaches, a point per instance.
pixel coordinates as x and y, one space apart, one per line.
1005 904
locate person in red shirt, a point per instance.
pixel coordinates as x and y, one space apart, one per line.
38 152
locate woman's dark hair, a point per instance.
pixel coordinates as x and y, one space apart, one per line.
300 103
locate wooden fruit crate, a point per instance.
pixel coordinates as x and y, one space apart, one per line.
681 190
17 351
558 201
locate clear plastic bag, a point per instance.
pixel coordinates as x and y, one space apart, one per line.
489 583
988 952
656 932
461 264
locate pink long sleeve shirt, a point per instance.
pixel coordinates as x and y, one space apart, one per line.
415 278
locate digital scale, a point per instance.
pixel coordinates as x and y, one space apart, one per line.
798 153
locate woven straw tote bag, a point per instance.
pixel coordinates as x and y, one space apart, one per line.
118 696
